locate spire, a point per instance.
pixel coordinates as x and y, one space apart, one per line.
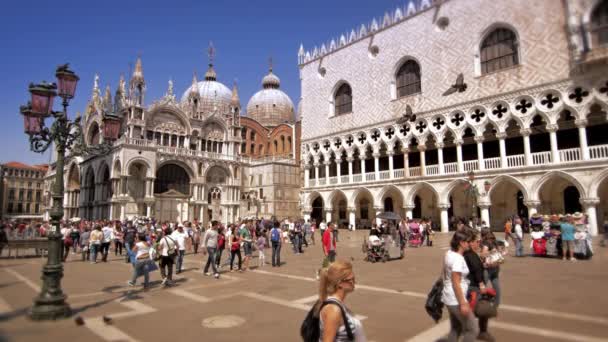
210 75
170 88
122 87
138 73
96 86
270 80
107 100
194 87
235 101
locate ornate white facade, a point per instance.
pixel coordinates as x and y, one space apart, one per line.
532 131
175 160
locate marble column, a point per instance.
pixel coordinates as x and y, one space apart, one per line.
582 138
338 171
485 212
590 205
350 159
480 159
439 146
306 175
422 151
352 218
326 162
409 211
391 168
532 207
316 173
552 129
503 149
459 155
376 156
148 210
406 162
362 157
525 133
328 212
445 222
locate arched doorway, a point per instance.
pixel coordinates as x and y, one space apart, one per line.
559 195
388 204
425 203
417 212
364 209
317 210
572 198
171 190
507 200
216 179
339 205
106 193
136 185
89 187
462 203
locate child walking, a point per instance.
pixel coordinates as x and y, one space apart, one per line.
261 245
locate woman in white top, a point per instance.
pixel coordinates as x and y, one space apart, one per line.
336 282
455 287
142 256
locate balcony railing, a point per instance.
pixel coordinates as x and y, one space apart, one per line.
492 163
571 154
513 161
539 158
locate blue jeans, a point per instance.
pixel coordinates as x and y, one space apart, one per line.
276 253
211 258
141 267
94 249
519 247
180 259
491 276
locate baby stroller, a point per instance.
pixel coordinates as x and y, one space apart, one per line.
415 236
375 249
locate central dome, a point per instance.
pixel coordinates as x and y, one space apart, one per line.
271 106
214 96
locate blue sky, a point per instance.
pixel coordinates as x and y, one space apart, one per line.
172 37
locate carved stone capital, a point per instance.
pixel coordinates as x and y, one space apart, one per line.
525 132
501 135
580 123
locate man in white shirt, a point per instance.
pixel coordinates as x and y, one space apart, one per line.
108 234
168 249
180 237
518 237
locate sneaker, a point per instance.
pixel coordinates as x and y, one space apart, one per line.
485 336
207 273
130 283
217 276
573 259
164 282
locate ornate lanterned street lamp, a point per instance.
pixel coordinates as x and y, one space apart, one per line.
65 135
472 192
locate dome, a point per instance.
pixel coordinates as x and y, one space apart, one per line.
213 94
271 106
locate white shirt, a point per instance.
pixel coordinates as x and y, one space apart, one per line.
454 262
166 243
65 231
323 226
107 234
519 232
180 238
142 248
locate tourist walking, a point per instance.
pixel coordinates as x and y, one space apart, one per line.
477 282
455 287
518 237
329 243
567 230
129 238
180 237
108 233
196 238
95 242
336 283
277 242
142 261
261 246
168 251
221 244
306 232
210 245
246 238
75 236
235 250
84 244
118 239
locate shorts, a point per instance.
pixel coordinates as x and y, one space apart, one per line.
568 244
247 248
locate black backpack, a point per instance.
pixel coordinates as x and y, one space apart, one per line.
310 329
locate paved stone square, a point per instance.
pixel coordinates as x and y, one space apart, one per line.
543 299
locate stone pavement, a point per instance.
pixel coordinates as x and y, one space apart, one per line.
543 299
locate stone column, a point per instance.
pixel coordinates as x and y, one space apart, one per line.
582 138
390 164
532 207
408 211
480 159
445 222
352 218
459 155
148 210
111 214
326 162
422 150
306 175
316 173
485 211
376 156
362 157
338 171
328 212
525 133
503 149
406 162
123 208
439 146
552 129
590 205
379 211
350 159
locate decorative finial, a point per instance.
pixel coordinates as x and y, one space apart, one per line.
96 86
270 64
211 53
170 88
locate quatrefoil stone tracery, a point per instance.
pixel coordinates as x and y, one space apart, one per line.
523 106
499 111
457 119
550 100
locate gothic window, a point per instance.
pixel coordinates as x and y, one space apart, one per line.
343 100
599 24
408 79
499 51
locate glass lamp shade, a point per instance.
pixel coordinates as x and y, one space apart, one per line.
32 122
111 127
42 97
67 80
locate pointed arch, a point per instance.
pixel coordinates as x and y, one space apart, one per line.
596 183
411 194
559 174
332 196
387 189
445 195
141 161
355 196
512 180
311 197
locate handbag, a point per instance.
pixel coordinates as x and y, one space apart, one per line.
433 304
486 307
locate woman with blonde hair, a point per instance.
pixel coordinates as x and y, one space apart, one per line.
337 322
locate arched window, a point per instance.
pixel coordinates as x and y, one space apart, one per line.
408 79
343 100
599 24
499 51
172 177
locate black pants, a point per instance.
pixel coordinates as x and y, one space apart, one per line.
276 253
105 247
166 267
218 257
195 247
117 247
331 256
66 251
232 255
